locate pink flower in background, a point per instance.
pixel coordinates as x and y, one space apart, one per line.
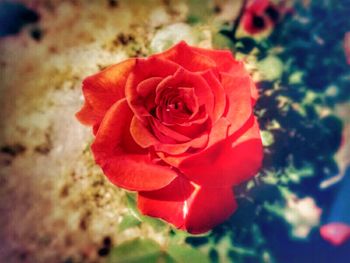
263 15
335 233
259 16
347 47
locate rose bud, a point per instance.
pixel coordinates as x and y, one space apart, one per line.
178 128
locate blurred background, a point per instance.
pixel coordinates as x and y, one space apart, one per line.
57 206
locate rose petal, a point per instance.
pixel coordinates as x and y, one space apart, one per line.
176 105
142 134
146 90
185 78
227 162
184 55
253 92
210 207
102 90
167 132
88 116
148 86
167 203
187 206
145 139
125 163
217 133
224 60
145 69
152 134
180 148
226 63
239 107
218 92
193 128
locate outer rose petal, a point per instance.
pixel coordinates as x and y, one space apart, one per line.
125 163
88 116
226 63
102 90
210 207
167 203
218 92
239 107
254 92
230 161
224 60
187 206
186 57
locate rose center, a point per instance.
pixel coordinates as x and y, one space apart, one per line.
175 106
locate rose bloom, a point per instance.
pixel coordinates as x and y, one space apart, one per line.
178 128
260 16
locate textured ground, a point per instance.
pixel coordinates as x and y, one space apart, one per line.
55 204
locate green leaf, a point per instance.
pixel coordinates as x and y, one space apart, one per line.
267 138
222 42
199 11
156 223
271 68
166 258
245 45
296 77
128 221
138 251
184 254
132 205
179 236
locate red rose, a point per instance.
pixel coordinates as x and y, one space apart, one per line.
259 16
178 127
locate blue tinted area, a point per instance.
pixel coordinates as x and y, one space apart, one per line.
13 16
340 211
314 248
